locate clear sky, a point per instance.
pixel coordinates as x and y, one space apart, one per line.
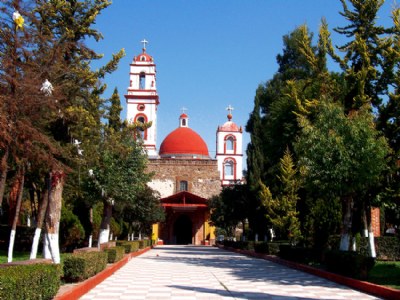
209 53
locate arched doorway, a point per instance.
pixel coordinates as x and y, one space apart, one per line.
183 230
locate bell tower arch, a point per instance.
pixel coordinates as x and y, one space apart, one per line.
142 97
230 151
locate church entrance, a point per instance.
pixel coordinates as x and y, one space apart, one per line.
183 230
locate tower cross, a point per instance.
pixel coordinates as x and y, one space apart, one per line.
144 43
229 109
184 109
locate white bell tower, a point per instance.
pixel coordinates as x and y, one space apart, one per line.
230 151
142 98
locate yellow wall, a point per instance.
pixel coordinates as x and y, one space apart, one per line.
154 234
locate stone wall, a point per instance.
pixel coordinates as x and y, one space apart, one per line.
202 176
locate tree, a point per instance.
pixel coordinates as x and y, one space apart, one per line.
281 209
230 208
343 156
120 175
114 119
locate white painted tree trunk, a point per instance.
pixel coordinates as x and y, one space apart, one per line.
35 243
16 191
345 242
346 223
103 235
90 241
371 244
11 246
51 248
353 244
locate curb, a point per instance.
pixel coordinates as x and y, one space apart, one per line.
83 287
363 286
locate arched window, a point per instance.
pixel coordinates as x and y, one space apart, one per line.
141 130
142 81
183 185
230 143
228 168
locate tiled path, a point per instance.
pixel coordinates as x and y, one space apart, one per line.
193 272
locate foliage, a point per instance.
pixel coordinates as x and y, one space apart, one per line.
115 254
229 208
80 266
131 246
281 209
349 263
270 248
37 281
71 230
338 149
323 219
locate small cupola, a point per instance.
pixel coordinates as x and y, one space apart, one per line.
183 120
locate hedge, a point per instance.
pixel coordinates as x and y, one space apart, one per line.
130 246
349 263
269 248
83 265
115 254
30 282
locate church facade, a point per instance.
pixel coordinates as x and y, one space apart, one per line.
184 173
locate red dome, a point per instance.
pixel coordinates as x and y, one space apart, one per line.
184 142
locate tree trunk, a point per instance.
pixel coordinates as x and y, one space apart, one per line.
371 238
91 227
347 222
3 176
105 223
51 247
40 218
20 183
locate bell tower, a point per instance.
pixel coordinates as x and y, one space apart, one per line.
230 151
142 98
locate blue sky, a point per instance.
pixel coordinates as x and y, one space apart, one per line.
209 53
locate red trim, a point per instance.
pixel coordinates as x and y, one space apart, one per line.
234 168
142 65
234 142
131 73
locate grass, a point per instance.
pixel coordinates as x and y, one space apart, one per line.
386 273
17 256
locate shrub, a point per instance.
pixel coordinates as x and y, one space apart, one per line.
297 254
130 246
242 245
115 254
387 248
270 248
37 281
71 230
348 263
82 265
142 244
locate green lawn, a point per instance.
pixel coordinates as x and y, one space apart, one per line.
17 256
386 273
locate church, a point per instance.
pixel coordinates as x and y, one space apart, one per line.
184 173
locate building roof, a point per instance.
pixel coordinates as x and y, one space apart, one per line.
185 143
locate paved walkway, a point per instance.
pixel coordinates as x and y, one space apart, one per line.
194 273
